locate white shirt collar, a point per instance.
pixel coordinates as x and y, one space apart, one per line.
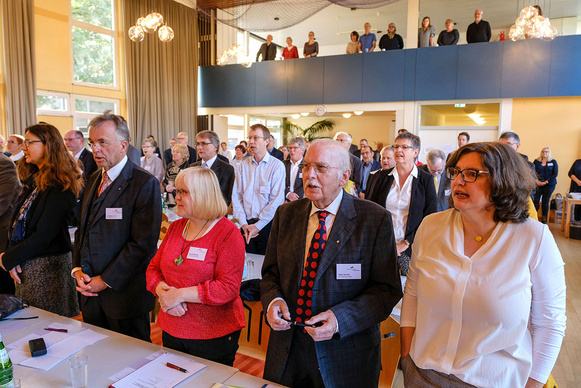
77 156
396 175
265 159
17 156
114 171
333 207
297 163
210 162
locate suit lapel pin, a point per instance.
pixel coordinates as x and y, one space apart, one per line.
337 241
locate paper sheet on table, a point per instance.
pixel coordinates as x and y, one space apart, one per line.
156 374
136 365
59 345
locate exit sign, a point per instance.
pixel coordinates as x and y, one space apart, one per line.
459 105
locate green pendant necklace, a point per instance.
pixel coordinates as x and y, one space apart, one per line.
179 260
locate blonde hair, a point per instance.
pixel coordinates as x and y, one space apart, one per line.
207 200
182 149
540 158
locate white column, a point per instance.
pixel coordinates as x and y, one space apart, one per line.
412 24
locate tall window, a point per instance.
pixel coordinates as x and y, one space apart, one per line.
93 33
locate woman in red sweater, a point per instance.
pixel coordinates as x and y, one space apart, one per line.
290 51
197 271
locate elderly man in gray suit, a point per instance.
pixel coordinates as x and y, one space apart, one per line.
330 265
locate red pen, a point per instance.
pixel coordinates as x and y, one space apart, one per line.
59 330
169 364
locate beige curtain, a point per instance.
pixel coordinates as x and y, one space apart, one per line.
162 77
18 25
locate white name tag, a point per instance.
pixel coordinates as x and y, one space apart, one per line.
148 168
348 271
447 192
197 254
114 213
300 174
265 190
549 164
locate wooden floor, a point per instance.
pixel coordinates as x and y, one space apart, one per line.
567 371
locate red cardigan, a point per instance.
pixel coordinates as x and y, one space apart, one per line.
218 278
290 54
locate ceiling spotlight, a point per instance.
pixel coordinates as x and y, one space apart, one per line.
358 112
305 114
346 115
296 116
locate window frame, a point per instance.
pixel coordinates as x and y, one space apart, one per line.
48 93
113 33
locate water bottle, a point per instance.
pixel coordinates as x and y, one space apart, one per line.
6 378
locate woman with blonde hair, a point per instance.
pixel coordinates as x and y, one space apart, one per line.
197 272
426 33
39 252
547 170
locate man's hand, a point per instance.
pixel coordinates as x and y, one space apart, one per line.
278 309
325 332
250 231
292 196
362 195
401 247
89 286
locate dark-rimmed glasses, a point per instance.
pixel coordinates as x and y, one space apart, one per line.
469 175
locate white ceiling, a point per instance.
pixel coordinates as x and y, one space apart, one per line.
333 24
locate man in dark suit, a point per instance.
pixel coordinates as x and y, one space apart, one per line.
272 150
369 165
207 143
167 157
267 50
356 166
436 167
294 170
9 191
133 155
74 141
117 234
349 284
183 139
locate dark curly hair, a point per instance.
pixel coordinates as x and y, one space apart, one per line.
511 179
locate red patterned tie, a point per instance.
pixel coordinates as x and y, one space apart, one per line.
104 183
318 241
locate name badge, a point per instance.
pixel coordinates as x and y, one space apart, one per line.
197 254
550 164
265 190
447 192
348 271
114 213
148 168
300 174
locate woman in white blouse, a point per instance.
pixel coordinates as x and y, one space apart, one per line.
484 303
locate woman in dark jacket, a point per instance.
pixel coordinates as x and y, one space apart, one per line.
39 251
547 170
575 175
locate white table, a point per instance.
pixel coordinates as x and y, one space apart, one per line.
106 357
240 379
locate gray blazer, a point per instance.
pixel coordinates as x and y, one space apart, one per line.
362 233
9 191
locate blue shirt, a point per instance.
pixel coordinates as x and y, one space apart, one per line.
366 41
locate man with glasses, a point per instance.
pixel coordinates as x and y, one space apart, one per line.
330 265
14 146
207 143
294 170
356 166
258 190
74 141
369 165
183 139
117 235
436 167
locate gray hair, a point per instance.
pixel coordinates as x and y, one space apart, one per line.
345 134
510 135
298 141
435 154
121 128
386 148
416 142
210 135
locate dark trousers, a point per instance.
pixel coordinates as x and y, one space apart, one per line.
136 327
222 349
545 192
258 244
6 283
302 367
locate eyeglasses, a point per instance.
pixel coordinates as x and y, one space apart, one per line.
12 142
342 140
292 148
469 175
203 144
403 147
255 138
319 168
181 192
27 142
71 138
101 143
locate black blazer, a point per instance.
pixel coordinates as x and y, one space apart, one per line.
423 200
443 188
268 52
133 155
298 188
47 231
89 165
119 250
9 191
375 165
551 171
362 233
277 154
225 173
356 172
167 157
193 155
